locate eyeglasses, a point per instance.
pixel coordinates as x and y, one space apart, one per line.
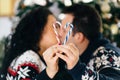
68 28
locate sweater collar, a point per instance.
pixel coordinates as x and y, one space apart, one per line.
93 45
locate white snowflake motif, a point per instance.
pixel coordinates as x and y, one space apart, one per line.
101 61
111 51
8 77
91 65
23 72
91 78
104 60
85 77
98 62
102 51
117 61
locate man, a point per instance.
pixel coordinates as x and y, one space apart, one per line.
87 55
95 58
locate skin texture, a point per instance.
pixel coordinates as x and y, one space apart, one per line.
74 47
72 50
48 39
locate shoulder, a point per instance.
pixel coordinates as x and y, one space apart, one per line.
25 66
106 51
28 58
106 57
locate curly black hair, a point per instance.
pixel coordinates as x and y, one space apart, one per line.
26 36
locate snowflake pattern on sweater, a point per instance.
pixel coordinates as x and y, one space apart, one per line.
25 67
102 58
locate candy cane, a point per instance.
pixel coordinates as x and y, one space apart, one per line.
69 32
57 34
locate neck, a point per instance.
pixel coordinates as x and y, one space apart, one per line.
84 45
41 51
92 46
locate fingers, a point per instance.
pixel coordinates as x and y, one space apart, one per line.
65 53
55 58
65 50
70 56
73 49
69 50
53 51
71 45
63 57
50 51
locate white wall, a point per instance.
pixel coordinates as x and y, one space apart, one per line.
5 26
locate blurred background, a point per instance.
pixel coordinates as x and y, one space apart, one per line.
11 12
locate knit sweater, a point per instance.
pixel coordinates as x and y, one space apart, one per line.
100 61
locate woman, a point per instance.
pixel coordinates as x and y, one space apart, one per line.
33 35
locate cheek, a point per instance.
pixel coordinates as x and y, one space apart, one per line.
62 34
71 39
50 39
47 41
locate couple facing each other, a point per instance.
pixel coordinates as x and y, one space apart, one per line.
34 52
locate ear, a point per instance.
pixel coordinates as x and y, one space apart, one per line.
79 37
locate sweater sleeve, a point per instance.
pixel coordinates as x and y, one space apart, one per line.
42 76
26 67
105 65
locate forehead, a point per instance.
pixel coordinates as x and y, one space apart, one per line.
67 18
51 18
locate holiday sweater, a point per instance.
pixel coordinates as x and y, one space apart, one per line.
100 61
25 66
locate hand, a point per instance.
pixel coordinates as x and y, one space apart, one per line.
70 56
51 60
